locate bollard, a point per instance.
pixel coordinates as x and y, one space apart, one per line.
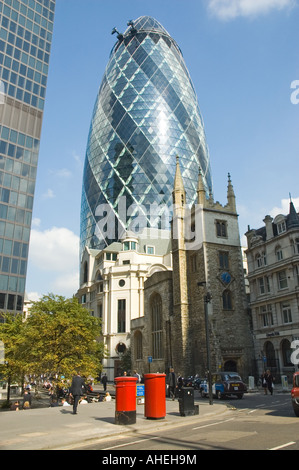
155 396
125 400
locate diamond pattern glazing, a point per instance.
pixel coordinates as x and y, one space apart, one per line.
146 113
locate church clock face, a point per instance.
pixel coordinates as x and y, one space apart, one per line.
226 278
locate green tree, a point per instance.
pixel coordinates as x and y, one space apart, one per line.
12 336
62 338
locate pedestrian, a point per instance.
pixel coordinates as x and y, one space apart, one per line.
269 380
135 374
172 382
83 400
76 391
27 400
64 402
180 381
104 381
107 397
264 383
15 406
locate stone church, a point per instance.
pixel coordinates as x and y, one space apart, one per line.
206 282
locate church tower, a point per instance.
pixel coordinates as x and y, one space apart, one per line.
218 271
210 267
180 322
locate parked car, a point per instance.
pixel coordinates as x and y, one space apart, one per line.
295 393
225 384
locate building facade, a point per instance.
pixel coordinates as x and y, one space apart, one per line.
209 266
146 113
25 43
112 288
273 274
150 229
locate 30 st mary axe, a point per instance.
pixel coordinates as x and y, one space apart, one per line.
146 113
25 41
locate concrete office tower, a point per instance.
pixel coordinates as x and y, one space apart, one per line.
146 113
25 41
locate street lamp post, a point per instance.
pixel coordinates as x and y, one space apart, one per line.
207 300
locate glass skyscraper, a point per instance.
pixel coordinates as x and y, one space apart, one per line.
146 113
25 41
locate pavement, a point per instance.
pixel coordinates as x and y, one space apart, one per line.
57 428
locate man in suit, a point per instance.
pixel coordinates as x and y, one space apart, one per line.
76 390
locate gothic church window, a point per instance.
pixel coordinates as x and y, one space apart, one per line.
223 260
157 333
221 228
138 345
227 302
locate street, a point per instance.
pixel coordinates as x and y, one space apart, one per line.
256 422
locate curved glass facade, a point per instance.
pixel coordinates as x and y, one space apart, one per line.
146 113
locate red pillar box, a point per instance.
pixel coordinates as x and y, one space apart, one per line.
125 400
155 396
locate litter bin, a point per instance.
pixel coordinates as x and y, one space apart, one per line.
125 400
186 402
155 396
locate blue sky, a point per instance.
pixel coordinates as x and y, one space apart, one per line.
243 58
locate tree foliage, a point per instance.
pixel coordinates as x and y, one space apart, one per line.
59 337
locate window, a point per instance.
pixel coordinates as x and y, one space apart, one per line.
282 280
129 246
85 272
266 316
278 253
221 228
227 300
286 313
261 285
150 250
264 285
157 333
258 260
223 260
281 227
138 345
121 315
100 311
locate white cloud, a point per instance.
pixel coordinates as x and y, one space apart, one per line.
53 262
49 194
285 207
230 9
62 173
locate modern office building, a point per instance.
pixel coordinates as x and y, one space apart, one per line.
25 42
146 113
